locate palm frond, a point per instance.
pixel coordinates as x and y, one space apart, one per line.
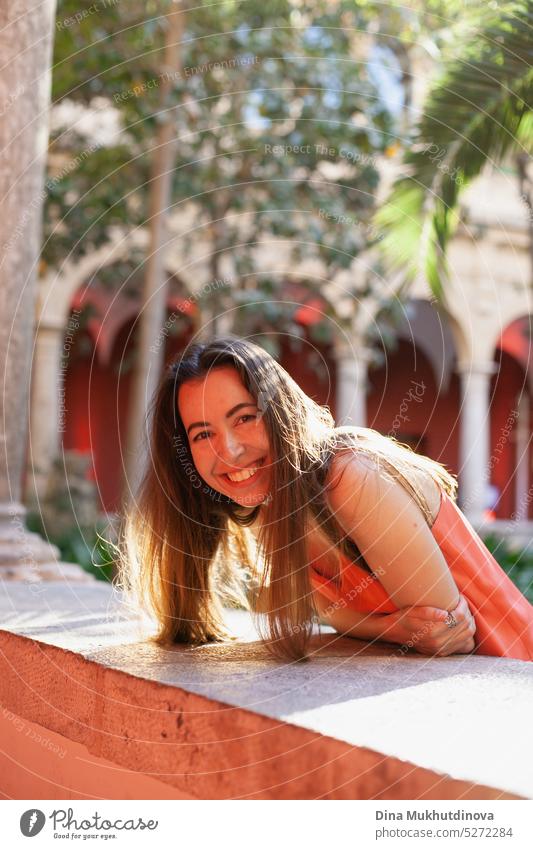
478 111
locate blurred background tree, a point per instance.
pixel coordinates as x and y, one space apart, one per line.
284 76
283 114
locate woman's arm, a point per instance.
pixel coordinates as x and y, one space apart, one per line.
393 536
352 623
419 628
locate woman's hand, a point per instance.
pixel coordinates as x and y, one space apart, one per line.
425 628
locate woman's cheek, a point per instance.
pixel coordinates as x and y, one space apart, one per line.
204 464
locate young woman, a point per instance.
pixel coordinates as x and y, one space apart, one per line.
253 496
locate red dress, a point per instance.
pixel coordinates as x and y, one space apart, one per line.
503 616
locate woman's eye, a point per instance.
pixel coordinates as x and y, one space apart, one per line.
198 435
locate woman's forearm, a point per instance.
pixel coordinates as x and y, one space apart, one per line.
362 626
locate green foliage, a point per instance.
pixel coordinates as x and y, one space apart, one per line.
278 120
280 126
478 111
517 563
287 101
85 546
93 182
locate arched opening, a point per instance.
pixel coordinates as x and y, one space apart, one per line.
98 379
414 395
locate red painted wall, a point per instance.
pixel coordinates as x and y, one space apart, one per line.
403 402
96 401
97 398
314 369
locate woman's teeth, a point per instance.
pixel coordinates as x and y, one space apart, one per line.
237 477
242 476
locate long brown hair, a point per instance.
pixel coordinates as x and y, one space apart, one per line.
186 549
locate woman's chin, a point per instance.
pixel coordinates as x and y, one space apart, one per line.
251 500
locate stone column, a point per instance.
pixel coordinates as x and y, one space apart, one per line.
474 437
352 369
26 48
46 408
522 448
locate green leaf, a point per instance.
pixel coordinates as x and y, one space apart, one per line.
478 112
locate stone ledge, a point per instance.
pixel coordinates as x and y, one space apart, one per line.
227 721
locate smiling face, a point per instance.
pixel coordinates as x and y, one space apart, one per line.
227 436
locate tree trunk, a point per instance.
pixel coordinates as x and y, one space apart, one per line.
151 340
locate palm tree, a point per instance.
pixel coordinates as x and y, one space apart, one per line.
479 111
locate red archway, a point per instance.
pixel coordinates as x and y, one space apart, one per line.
98 379
404 401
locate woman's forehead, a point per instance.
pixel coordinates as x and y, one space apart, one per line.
221 386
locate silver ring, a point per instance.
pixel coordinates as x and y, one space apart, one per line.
450 620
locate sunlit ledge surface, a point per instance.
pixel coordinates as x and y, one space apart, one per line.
408 726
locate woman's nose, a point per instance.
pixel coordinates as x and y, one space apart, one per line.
231 447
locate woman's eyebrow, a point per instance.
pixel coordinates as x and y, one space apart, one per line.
228 414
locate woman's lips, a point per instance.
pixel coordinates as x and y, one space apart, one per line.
251 479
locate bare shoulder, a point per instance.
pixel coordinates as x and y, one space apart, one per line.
346 476
354 473
349 464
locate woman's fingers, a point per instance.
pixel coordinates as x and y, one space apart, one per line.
431 614
430 634
462 645
462 608
457 640
461 614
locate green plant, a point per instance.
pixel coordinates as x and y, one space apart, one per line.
477 113
85 546
517 563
